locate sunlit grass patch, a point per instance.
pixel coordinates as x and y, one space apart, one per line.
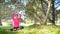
43 29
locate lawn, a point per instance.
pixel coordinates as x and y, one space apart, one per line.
42 29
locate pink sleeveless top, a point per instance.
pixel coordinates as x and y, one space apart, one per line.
16 20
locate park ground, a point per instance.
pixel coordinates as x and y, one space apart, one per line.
33 29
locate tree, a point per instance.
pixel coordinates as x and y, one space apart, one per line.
33 8
0 16
47 13
1 1
53 12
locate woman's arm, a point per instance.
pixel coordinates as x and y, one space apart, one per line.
12 15
20 15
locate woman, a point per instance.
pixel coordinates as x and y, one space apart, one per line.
16 17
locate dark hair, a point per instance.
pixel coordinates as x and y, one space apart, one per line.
16 15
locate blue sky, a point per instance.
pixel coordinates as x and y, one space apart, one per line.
22 1
57 4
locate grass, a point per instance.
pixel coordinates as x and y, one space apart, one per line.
42 29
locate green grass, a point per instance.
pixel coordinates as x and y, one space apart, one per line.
43 29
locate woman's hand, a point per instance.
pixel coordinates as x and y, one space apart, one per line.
15 12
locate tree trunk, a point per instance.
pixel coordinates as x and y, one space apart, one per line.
47 13
0 21
53 13
0 17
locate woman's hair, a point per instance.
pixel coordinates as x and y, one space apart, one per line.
16 15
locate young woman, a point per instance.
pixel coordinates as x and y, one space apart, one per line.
16 17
